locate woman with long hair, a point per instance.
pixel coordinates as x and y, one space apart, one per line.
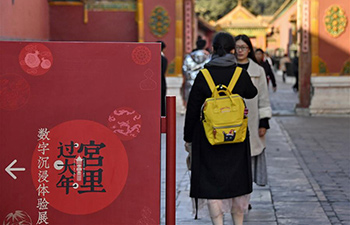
259 107
219 172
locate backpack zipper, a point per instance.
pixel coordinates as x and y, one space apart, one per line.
223 98
217 127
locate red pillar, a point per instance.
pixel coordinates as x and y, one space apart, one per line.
170 160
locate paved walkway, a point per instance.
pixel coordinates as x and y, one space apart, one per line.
308 168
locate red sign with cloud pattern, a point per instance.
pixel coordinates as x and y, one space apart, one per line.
80 133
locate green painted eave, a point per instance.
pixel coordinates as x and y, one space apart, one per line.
113 6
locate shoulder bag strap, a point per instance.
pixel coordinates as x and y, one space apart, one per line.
234 79
209 79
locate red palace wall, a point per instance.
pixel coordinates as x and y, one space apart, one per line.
37 20
168 38
67 24
284 27
24 20
334 51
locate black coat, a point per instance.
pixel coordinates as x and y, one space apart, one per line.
269 73
221 171
164 65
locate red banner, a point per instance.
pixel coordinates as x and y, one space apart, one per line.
80 133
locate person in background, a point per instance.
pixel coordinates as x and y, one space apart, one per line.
269 60
285 59
164 65
193 62
259 55
219 172
259 108
295 64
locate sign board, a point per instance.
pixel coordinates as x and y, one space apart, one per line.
79 133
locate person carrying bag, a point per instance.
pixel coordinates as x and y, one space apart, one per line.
219 172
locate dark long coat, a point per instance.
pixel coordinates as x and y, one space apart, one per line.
164 65
221 171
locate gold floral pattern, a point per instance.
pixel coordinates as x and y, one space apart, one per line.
335 20
159 21
171 68
346 68
322 67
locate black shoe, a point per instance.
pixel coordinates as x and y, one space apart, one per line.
249 207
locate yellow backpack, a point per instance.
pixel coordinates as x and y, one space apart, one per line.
224 116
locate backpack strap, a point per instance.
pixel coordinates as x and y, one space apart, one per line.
234 79
209 79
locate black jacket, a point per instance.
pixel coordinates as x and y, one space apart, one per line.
164 65
269 73
221 171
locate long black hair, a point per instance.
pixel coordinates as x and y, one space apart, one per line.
223 43
246 40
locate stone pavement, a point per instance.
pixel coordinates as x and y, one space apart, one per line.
322 147
308 170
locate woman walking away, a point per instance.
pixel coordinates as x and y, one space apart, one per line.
259 108
219 172
193 62
283 66
259 55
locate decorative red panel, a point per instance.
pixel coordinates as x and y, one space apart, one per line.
80 133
